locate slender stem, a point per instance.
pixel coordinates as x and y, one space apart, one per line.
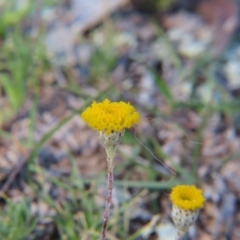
108 199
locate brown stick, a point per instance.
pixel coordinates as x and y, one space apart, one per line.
108 201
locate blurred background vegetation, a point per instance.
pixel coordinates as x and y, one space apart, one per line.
175 61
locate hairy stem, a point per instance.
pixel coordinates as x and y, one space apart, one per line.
108 199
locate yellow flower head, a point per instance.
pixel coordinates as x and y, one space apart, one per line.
110 116
187 197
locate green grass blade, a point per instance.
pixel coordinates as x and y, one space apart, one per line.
163 87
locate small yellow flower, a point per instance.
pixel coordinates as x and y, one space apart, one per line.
187 197
187 200
110 116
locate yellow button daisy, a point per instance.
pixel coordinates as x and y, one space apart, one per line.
187 197
110 116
